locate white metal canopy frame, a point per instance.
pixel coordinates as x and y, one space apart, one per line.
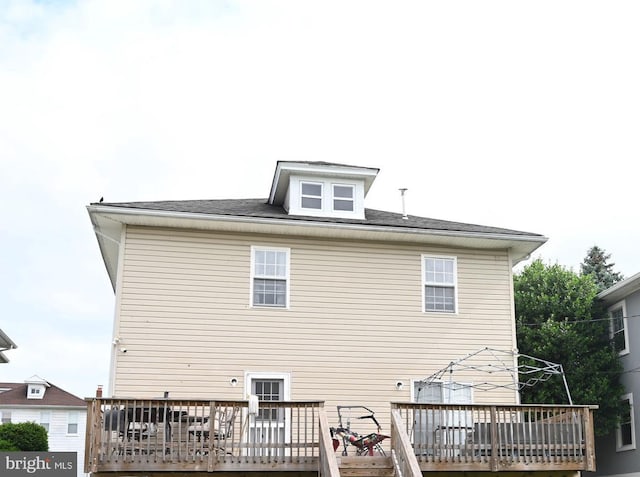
525 371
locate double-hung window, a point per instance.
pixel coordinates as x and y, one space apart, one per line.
343 197
270 277
72 423
625 433
618 327
439 284
45 419
311 195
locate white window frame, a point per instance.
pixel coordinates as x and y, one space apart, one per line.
621 305
444 389
73 418
45 419
254 276
344 199
309 196
426 283
249 376
619 446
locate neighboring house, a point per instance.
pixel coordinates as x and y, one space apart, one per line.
306 293
619 454
62 414
5 345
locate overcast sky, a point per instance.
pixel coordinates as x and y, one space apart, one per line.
524 115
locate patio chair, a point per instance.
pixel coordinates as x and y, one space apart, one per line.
223 422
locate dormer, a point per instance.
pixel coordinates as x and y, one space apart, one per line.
321 189
36 387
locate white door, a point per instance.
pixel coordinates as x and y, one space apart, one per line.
268 430
436 430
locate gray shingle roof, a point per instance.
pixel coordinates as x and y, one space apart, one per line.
53 396
259 208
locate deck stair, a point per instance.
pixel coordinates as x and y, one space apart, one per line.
366 466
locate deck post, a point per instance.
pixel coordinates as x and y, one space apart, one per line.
589 440
494 439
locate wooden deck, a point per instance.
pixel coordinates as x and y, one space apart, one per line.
163 436
500 438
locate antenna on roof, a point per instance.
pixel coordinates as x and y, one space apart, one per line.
404 213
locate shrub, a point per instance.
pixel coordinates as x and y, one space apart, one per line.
26 436
7 446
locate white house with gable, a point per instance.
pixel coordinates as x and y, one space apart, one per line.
62 414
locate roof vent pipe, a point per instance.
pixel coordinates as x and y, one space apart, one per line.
404 213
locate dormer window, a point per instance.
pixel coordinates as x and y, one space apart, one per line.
343 197
311 195
321 189
35 391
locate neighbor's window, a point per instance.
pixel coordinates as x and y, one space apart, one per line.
270 276
72 423
311 195
618 328
625 435
45 419
439 275
343 197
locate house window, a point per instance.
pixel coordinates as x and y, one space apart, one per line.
625 435
618 328
72 423
343 196
270 280
439 275
45 419
268 390
438 392
6 417
311 195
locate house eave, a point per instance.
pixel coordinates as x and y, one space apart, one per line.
621 289
39 405
109 223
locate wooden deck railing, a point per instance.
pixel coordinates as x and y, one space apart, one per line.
130 436
125 435
404 460
328 464
498 438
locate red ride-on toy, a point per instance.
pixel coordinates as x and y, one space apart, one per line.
366 444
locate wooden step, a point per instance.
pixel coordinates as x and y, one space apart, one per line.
365 466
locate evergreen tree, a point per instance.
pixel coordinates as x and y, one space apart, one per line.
595 264
559 319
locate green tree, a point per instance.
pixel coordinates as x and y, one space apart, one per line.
559 319
25 436
595 264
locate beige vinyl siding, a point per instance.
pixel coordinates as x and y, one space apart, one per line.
354 328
